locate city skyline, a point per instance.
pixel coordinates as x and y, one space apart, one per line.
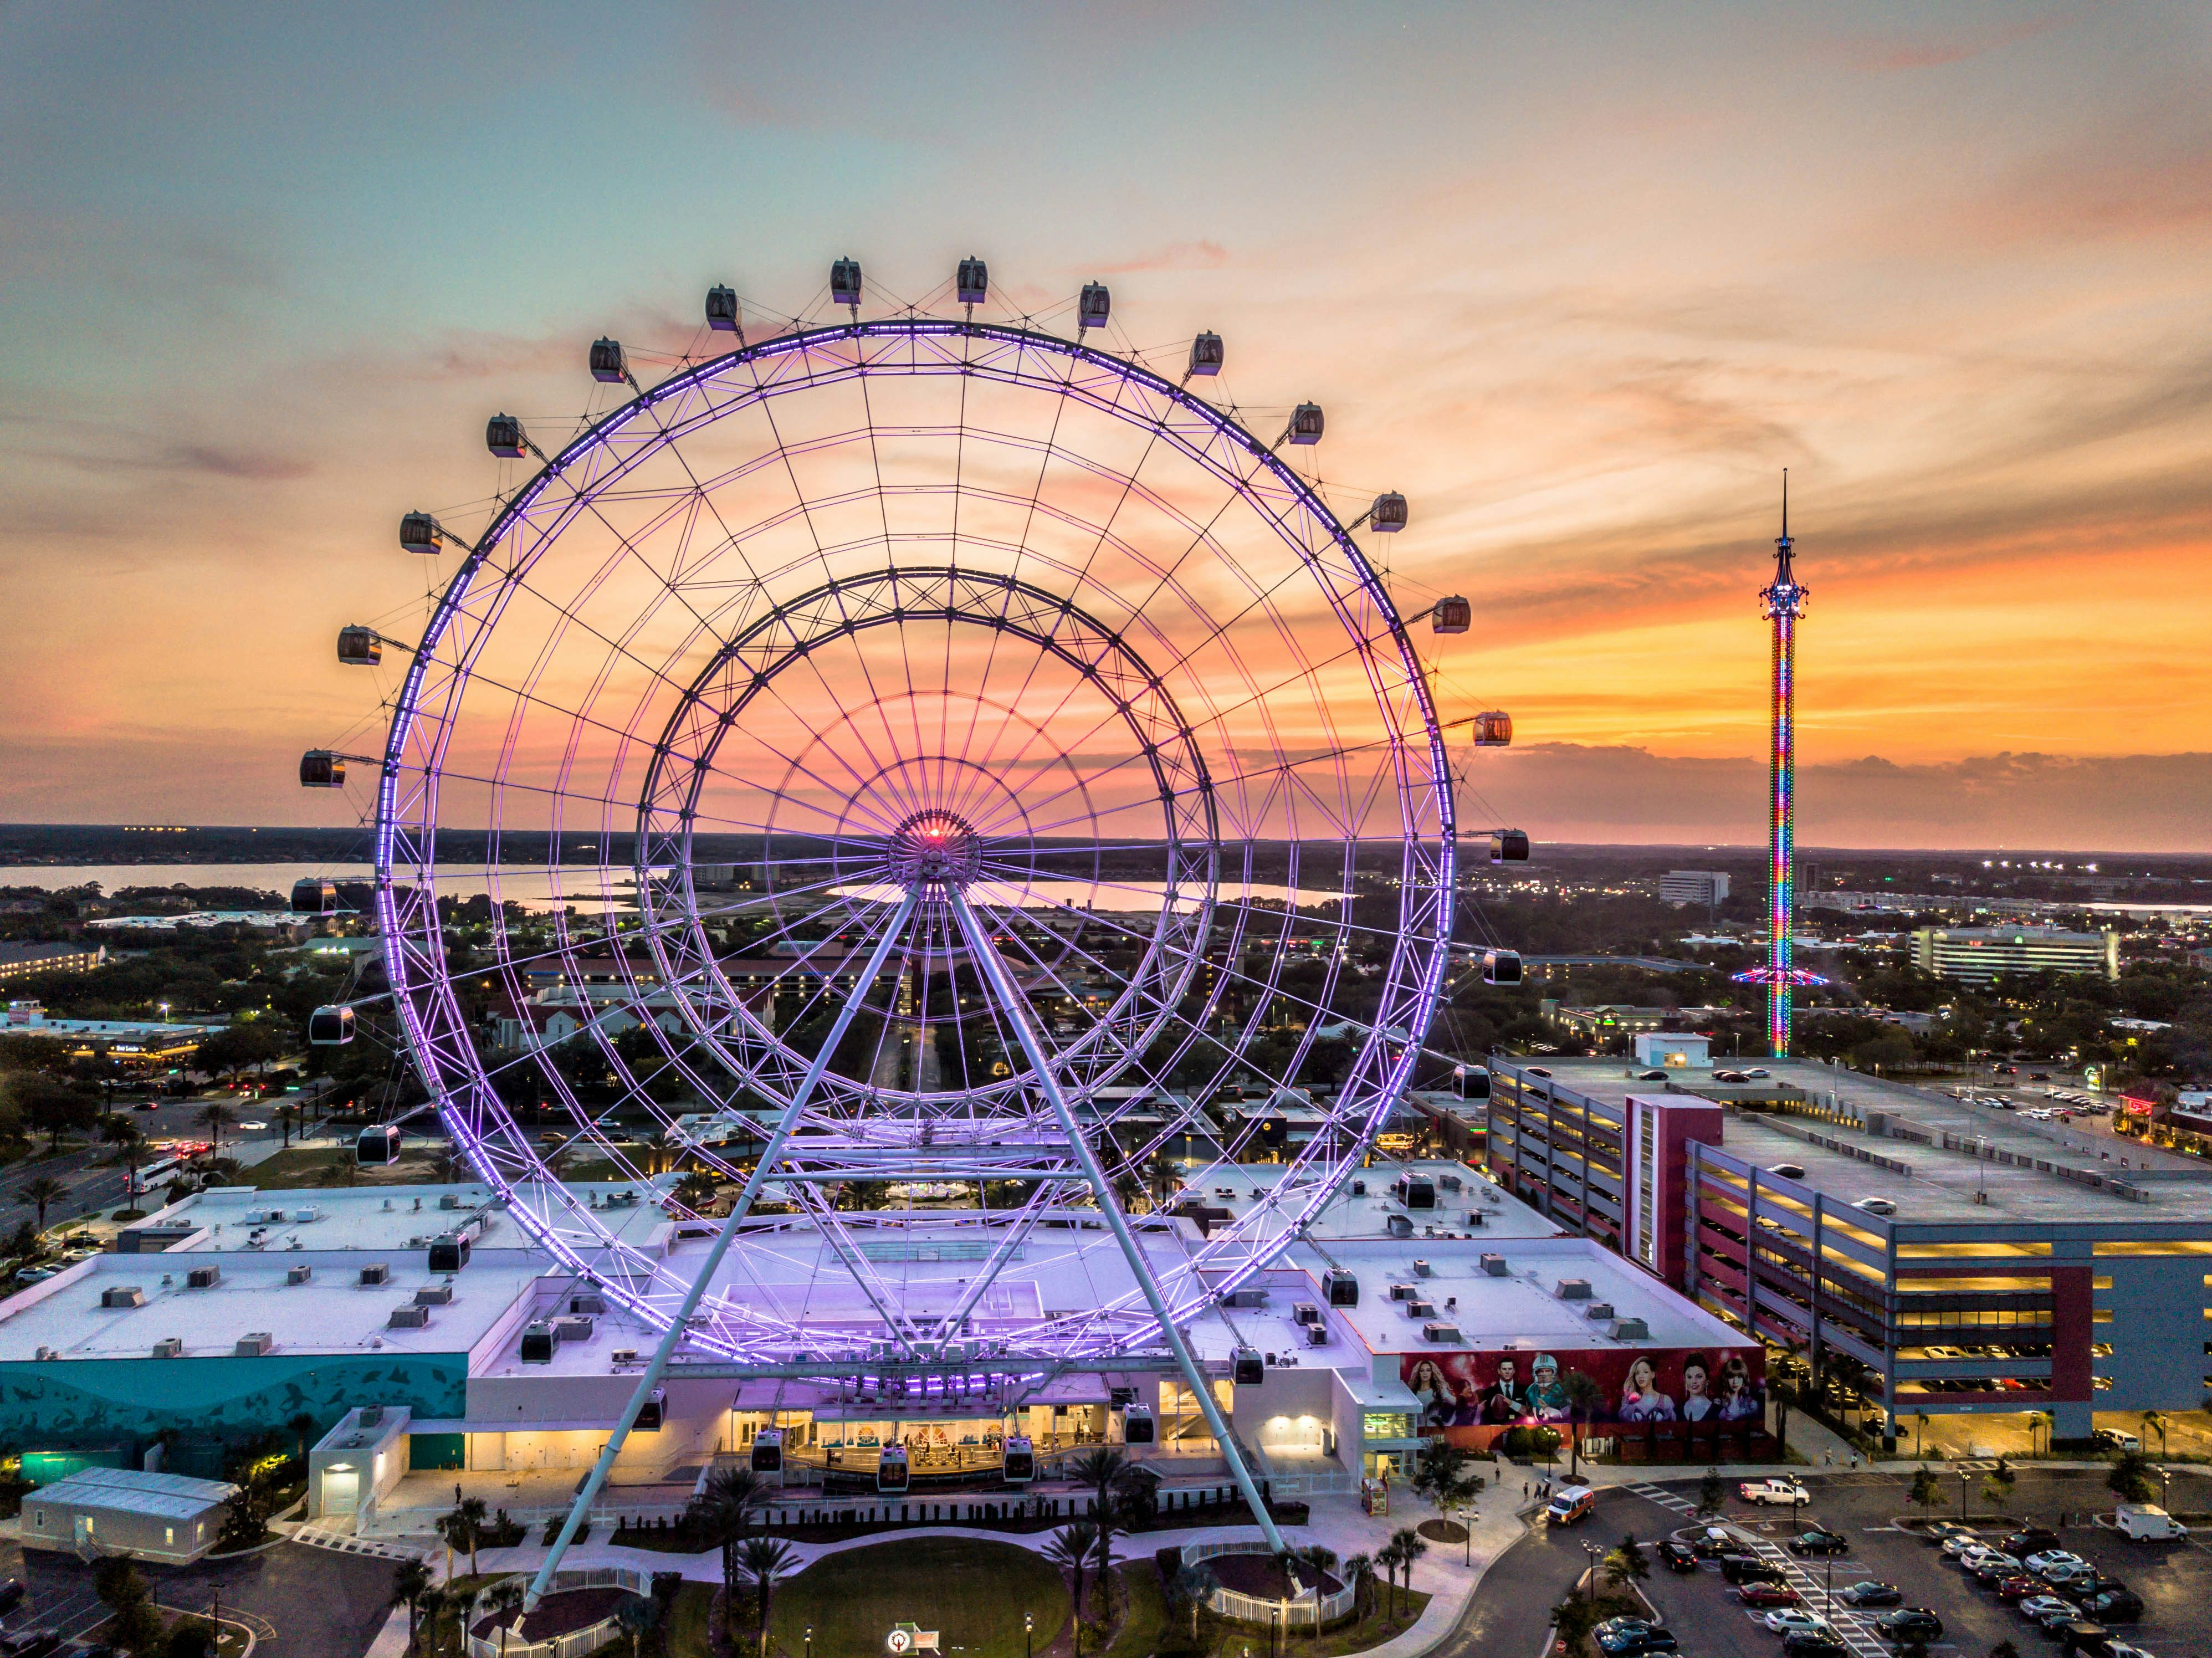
1949 273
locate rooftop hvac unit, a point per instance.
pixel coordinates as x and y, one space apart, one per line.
1398 1227
768 1451
371 1415
204 1277
298 1274
589 1302
122 1295
376 1272
169 1347
1574 1289
1601 1309
1359 1188
1306 1313
1449 1182
624 1356
1630 1329
1248 1297
409 1318
1495 1266
254 1344
1138 1427
1316 1335
434 1295
1422 1269
1246 1368
1401 1292
652 1412
1447 1334
1342 1287
1420 1309
539 1341
573 1327
449 1199
307 1213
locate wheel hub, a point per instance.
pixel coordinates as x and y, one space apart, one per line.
934 848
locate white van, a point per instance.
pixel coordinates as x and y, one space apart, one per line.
1569 1505
2147 1522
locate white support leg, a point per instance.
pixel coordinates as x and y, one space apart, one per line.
992 967
770 1155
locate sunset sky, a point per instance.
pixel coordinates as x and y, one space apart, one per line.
1581 280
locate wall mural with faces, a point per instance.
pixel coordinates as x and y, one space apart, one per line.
1527 1386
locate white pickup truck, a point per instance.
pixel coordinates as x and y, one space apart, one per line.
1788 1491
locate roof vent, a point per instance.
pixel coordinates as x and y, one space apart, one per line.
449 1201
254 1344
573 1327
169 1347
1401 1292
1574 1289
1495 1266
1630 1329
204 1277
589 1300
409 1318
1420 1309
434 1295
377 1272
1447 1333
298 1274
624 1356
121 1295
1601 1309
1422 1269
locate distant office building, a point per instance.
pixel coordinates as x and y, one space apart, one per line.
1693 886
28 961
1977 954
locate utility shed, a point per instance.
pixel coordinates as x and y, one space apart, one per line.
154 1516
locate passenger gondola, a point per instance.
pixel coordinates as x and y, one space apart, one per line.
1501 967
330 1027
504 437
1206 354
1138 1427
845 282
891 1470
1493 730
321 770
1387 514
768 1451
1509 847
421 533
972 281
608 363
314 896
1093 305
1018 1460
1306 424
1451 616
722 310
378 1143
360 647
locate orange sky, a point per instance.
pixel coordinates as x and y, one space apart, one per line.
1580 290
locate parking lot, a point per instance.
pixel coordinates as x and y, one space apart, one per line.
2174 1580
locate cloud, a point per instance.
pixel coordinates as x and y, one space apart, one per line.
1891 54
1177 256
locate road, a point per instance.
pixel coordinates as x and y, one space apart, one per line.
96 1182
1509 1617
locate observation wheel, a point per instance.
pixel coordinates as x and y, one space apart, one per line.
919 771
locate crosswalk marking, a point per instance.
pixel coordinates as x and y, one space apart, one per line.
1852 1630
1674 1501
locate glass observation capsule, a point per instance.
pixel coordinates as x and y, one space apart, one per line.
1452 615
419 533
972 281
1387 515
1093 305
607 363
321 770
722 310
360 647
1206 355
845 282
503 436
1305 423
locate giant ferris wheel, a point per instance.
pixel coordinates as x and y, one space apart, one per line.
921 748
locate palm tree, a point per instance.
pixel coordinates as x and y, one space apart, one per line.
1163 1175
1411 1547
431 1604
2154 1421
764 1560
1920 1431
1099 1469
1070 1550
128 1139
502 1600
1584 1398
216 1115
41 1192
1390 1556
1193 1584
1360 1572
637 1616
723 1511
460 1528
2045 1421
409 1584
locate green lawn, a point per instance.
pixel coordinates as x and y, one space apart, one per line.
1145 1615
972 1594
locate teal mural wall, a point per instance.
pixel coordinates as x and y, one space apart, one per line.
54 1403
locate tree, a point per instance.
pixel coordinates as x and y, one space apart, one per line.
1584 1396
433 1603
1163 1176
1389 1557
2155 1422
1444 1478
1712 1492
1999 1485
42 1191
408 1583
1927 1489
503 1601
462 1525
136 1626
1070 1550
50 1106
1411 1547
637 1616
1360 1572
1627 1563
764 1560
1195 1583
2130 1479
301 1425
216 1116
724 1512
129 1143
1099 1470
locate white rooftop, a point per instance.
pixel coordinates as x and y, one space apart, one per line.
1354 1213
130 1491
392 1217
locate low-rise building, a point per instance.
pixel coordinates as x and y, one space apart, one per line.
28 961
150 1516
1693 886
1979 954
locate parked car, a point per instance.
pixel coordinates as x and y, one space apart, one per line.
1750 1568
1713 1542
1789 1620
2019 1587
2111 1439
1614 1625
1875 1206
1790 1170
2050 1559
1871 1594
1994 1568
1758 1074
2081 1635
1811 1644
1773 1491
2033 1541
1909 1623
30 1644
2042 1608
1678 1556
2086 1587
1767 1594
2116 1606
1819 1542
1636 1640
1944 1530
1651 1075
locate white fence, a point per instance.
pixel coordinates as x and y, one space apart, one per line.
576 1643
1295 1613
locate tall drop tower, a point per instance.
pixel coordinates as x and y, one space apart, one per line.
1782 602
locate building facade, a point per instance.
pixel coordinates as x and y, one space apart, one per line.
1693 886
1978 955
